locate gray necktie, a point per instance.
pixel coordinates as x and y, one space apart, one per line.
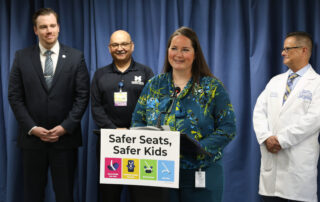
48 68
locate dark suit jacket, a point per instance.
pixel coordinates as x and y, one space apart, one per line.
63 104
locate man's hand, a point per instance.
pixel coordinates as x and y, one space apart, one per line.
43 134
273 144
57 131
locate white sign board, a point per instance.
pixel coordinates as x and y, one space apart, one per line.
140 157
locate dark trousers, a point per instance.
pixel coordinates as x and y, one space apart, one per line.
62 164
275 199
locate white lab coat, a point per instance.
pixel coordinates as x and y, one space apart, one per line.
292 172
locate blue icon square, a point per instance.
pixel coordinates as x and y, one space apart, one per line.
166 171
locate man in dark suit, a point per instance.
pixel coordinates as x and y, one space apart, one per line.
48 93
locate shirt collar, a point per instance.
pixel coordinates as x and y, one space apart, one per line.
131 67
55 48
302 71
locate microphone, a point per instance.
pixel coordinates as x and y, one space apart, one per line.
174 96
175 93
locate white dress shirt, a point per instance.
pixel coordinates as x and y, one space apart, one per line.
54 56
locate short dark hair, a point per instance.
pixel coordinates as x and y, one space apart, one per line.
199 66
302 36
43 11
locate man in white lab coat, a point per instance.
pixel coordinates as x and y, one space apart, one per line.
286 121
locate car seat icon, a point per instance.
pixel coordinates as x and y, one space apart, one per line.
130 166
147 168
165 170
113 167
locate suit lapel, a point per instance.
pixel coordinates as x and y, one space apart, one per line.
63 55
37 66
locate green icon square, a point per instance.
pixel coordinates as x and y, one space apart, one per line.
148 169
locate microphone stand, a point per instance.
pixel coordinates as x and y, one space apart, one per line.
175 93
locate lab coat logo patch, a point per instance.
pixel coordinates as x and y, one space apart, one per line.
305 95
137 80
273 94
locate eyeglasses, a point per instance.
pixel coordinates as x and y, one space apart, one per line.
122 45
289 48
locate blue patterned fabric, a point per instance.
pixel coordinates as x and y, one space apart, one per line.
203 112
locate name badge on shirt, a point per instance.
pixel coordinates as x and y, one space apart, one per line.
120 99
200 179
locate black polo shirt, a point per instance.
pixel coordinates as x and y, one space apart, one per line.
106 82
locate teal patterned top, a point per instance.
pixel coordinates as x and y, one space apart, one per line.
203 112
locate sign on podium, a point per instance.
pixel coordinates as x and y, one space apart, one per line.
140 157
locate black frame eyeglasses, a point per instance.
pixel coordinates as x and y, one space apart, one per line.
286 49
122 45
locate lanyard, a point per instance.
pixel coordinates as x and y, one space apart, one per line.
120 84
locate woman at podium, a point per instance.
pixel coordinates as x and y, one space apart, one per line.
189 99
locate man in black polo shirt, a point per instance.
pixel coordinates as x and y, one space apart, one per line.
115 90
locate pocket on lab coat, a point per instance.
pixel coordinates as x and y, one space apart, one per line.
305 104
266 158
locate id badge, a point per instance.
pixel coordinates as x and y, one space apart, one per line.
120 99
200 179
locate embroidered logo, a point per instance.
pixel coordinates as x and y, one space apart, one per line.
273 94
305 94
137 80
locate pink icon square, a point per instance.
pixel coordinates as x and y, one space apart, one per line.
112 168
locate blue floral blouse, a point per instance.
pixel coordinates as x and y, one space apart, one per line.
203 112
